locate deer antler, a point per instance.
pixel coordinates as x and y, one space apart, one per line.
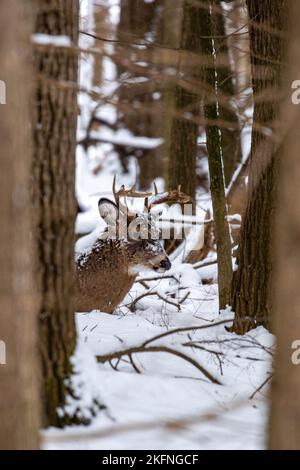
122 192
172 196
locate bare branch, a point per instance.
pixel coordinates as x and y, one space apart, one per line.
184 330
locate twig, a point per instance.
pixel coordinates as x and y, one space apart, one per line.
114 367
261 386
147 294
144 284
184 297
183 330
204 265
134 364
156 278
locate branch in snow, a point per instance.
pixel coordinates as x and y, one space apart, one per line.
157 294
166 349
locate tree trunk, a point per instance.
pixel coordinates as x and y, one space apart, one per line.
172 20
215 162
284 429
19 405
251 289
54 200
230 137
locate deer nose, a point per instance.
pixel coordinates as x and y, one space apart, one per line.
165 264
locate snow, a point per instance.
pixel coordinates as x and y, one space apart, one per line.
170 389
87 399
124 137
54 40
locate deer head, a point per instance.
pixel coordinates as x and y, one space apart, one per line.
139 228
130 244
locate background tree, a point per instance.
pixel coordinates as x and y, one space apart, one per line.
251 290
54 200
184 133
214 143
284 427
19 405
230 136
141 23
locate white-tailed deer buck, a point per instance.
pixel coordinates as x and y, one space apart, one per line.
106 272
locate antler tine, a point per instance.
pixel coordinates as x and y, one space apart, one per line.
172 196
114 190
155 189
123 192
118 194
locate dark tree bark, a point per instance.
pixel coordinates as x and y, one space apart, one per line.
54 201
284 429
251 290
19 405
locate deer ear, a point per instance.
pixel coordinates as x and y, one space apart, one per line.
108 210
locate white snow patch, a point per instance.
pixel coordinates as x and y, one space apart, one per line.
47 39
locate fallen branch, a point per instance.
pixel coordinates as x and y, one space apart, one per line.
142 349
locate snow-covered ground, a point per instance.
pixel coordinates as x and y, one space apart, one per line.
160 400
170 404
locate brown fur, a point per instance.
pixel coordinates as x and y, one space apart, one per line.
103 275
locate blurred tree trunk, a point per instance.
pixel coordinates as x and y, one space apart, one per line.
54 200
171 34
19 405
284 429
251 289
230 137
100 14
214 144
